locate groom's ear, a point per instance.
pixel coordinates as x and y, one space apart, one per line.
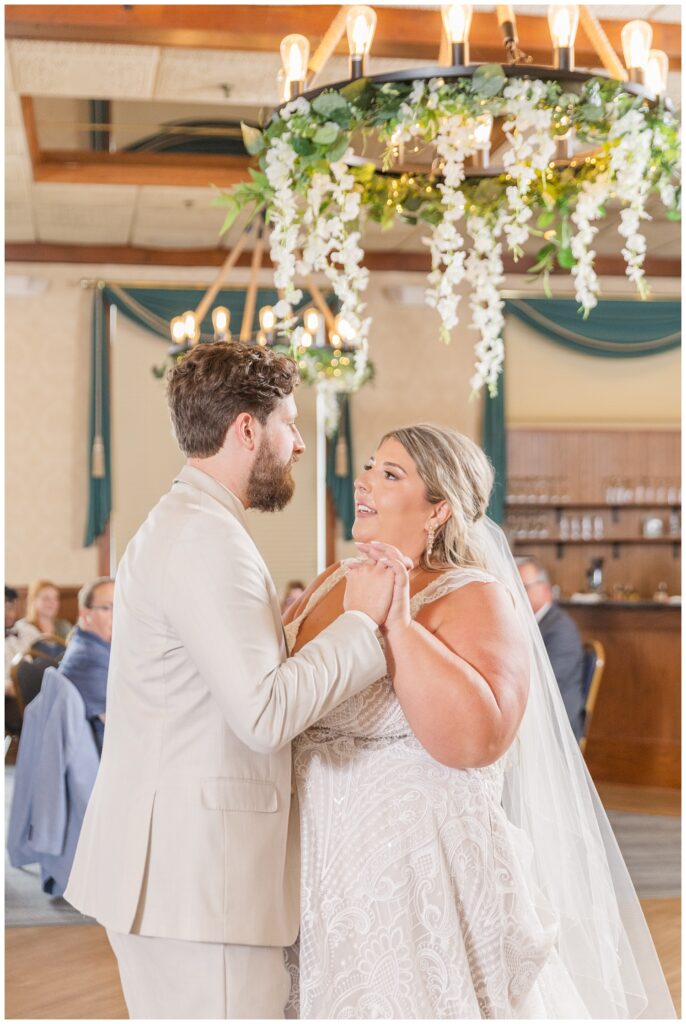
245 428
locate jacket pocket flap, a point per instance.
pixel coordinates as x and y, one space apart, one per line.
239 795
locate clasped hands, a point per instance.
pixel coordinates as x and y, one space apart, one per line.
380 585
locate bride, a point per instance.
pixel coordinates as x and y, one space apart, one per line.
456 860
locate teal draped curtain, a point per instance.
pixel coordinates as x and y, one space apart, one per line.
340 472
99 449
614 329
494 443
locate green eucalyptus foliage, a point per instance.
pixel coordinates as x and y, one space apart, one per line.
321 135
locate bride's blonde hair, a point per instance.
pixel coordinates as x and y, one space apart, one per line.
453 469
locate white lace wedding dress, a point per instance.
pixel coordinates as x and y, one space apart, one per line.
415 901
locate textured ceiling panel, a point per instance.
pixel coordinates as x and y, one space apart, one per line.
249 77
19 225
17 179
202 219
15 143
155 237
175 198
666 248
104 197
199 75
95 70
74 224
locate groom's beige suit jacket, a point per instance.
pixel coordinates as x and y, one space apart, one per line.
192 828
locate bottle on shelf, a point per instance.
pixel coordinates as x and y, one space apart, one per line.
594 576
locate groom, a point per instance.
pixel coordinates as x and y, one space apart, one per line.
189 853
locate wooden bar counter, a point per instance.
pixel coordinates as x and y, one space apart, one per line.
635 732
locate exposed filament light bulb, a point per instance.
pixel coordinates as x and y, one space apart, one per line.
221 317
457 19
481 140
267 320
563 21
636 39
343 329
191 326
482 131
177 329
360 24
657 69
312 318
295 55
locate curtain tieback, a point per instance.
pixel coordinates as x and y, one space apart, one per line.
98 458
341 456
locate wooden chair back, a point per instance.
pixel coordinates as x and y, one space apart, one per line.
594 664
27 669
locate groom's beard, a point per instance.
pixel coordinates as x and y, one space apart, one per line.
270 485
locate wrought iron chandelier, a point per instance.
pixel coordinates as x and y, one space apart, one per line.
645 74
486 144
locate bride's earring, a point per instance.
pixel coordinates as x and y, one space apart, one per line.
430 540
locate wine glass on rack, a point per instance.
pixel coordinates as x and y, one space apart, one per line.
673 491
611 490
532 494
564 490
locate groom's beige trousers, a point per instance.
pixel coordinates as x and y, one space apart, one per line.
172 979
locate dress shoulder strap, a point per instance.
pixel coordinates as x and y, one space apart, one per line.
447 582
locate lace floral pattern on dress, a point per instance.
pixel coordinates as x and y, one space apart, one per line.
415 900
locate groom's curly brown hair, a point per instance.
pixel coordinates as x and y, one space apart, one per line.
215 382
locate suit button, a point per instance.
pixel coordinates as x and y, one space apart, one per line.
292 789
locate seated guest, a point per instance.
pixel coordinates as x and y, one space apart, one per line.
87 658
294 591
42 609
12 647
12 641
561 638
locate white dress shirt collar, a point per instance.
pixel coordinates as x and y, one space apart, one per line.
543 611
204 482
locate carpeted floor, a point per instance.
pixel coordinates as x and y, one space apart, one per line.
25 902
650 843
651 847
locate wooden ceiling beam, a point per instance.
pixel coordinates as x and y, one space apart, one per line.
401 31
42 252
74 167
